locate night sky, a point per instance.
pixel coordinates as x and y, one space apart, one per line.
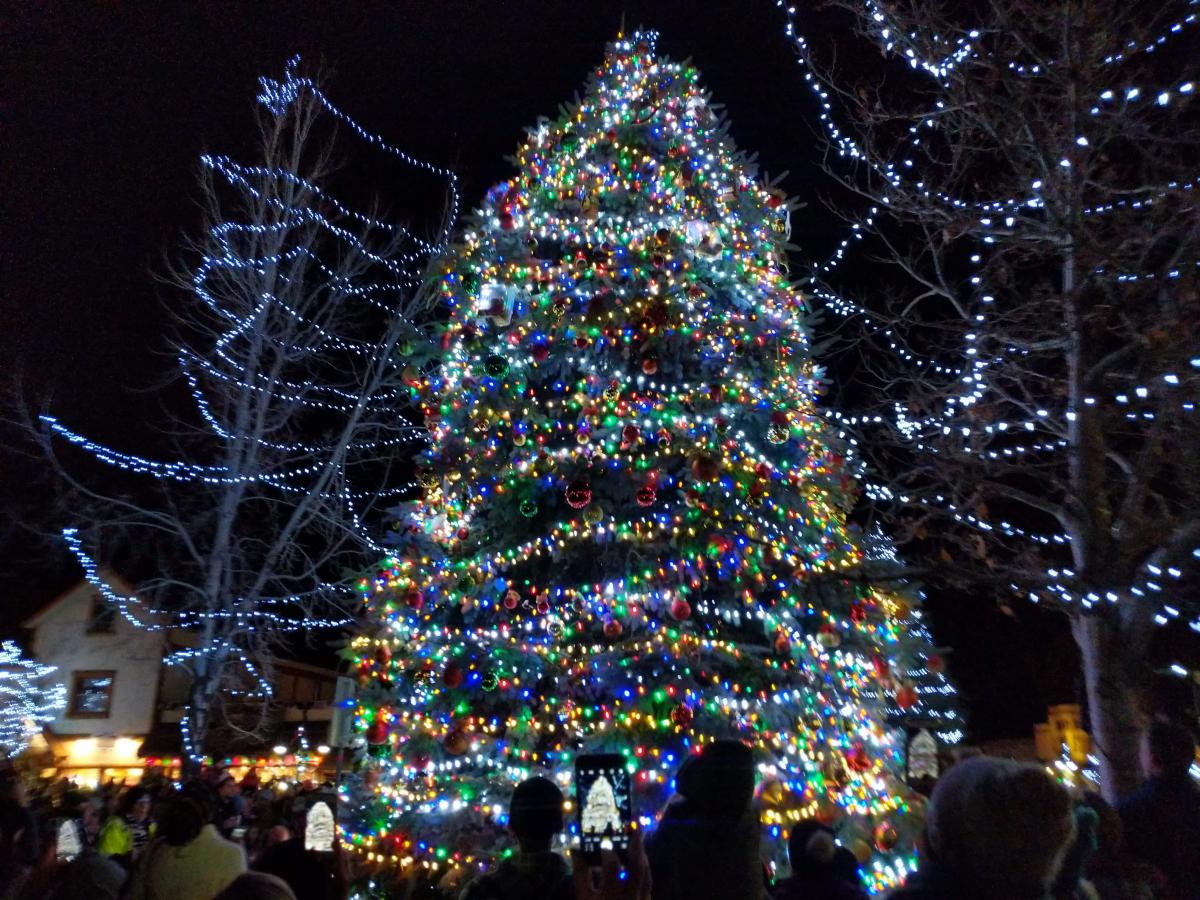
105 107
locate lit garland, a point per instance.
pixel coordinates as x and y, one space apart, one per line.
27 702
632 531
255 276
1002 220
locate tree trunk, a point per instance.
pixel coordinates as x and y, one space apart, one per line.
1111 680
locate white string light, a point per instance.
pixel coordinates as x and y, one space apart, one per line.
27 700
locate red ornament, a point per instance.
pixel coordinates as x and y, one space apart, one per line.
682 715
511 599
649 366
413 599
377 733
858 759
858 612
612 629
579 494
782 644
540 352
543 606
935 663
906 697
705 468
629 435
464 533
680 609
383 655
452 677
646 495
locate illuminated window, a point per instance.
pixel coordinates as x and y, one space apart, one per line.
91 695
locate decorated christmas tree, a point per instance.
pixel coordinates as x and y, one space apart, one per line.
633 535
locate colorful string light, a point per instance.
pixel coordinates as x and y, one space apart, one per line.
632 533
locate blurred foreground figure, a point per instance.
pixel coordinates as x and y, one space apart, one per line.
1162 818
996 830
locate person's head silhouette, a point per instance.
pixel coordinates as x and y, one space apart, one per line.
1168 750
535 814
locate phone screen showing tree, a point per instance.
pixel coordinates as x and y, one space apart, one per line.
604 800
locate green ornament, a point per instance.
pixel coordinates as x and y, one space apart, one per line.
466 583
529 508
490 681
496 366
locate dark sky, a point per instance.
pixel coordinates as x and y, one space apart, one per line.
105 107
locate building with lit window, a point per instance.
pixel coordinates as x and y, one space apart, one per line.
124 706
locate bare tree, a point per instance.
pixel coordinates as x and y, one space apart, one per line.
293 334
1020 175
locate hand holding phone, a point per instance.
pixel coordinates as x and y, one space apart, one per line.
604 804
611 881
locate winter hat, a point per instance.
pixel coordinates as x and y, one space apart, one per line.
1000 823
720 781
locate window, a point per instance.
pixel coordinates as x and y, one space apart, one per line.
91 695
102 618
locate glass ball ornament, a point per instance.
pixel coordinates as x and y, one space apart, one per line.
886 837
682 715
777 434
496 366
646 495
457 742
529 508
828 637
579 494
705 467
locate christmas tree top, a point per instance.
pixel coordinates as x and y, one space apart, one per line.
626 357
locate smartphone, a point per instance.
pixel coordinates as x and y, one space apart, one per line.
603 803
319 825
68 840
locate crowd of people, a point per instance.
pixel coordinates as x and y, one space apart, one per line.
210 837
994 830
